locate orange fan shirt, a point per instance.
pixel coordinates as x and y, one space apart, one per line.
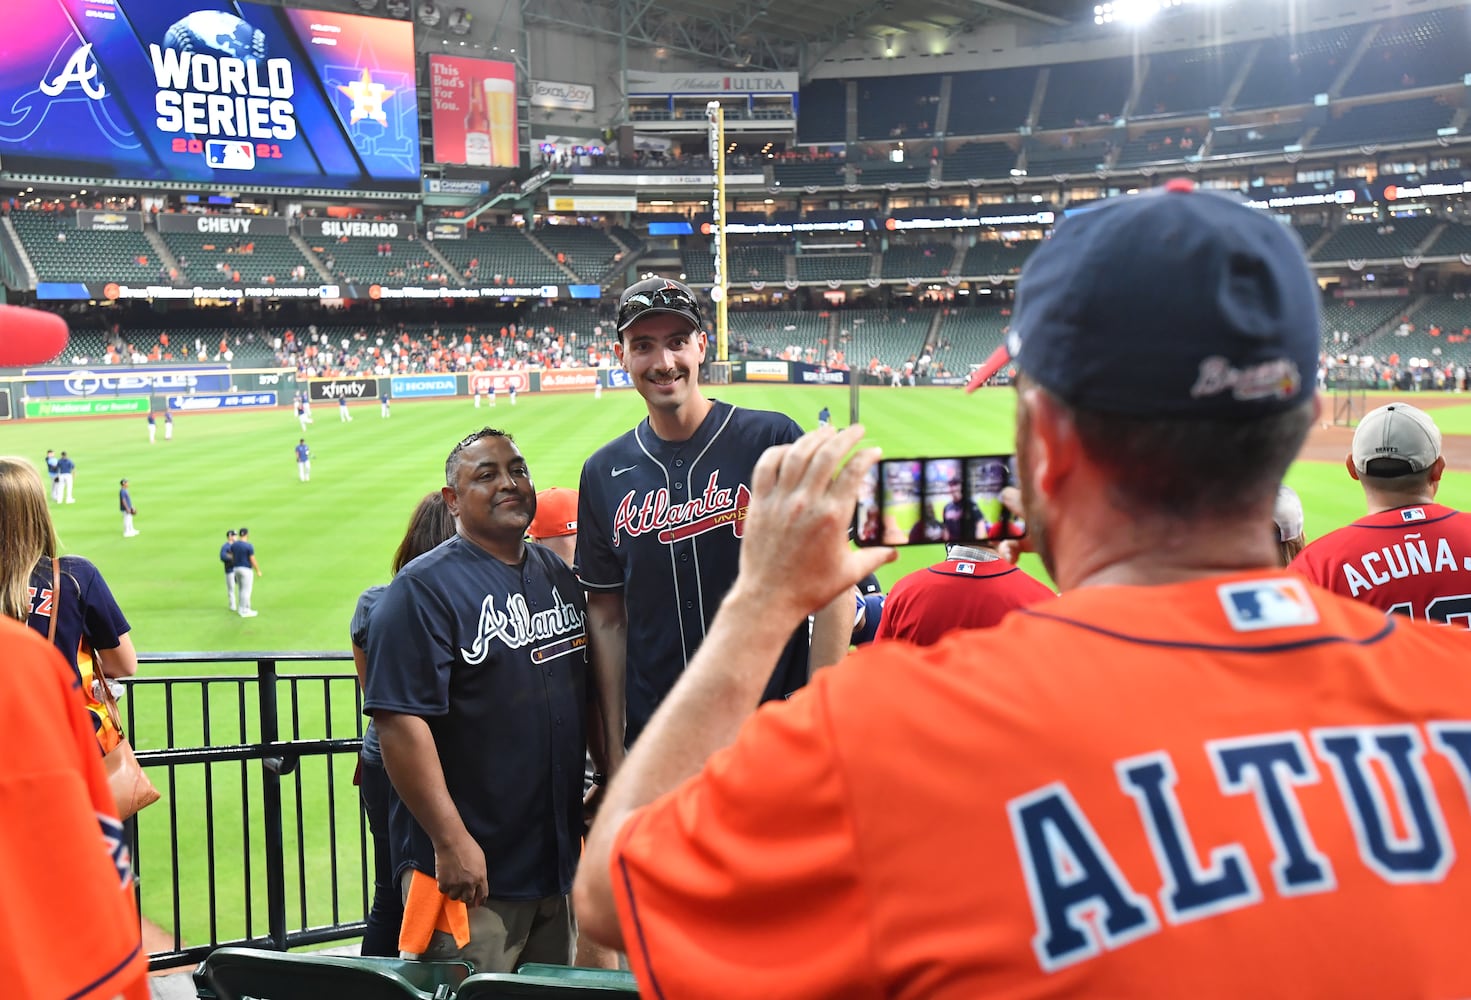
71 929
1231 787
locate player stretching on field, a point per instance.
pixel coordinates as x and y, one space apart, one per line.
1193 774
1410 554
661 512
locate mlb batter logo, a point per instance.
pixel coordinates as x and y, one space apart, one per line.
1412 514
228 154
966 567
1263 604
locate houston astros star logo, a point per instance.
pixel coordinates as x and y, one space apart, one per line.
367 99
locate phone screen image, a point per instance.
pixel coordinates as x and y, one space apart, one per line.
986 478
901 488
949 515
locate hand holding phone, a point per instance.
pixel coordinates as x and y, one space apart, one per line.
917 501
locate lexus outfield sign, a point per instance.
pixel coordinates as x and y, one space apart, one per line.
108 381
567 96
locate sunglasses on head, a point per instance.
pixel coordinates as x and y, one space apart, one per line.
675 299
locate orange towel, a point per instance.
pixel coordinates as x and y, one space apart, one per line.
428 910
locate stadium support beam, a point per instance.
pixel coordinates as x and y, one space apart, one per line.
1018 10
644 23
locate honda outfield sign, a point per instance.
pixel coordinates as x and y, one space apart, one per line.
81 382
323 390
409 386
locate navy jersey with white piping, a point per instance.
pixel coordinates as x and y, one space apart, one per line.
662 521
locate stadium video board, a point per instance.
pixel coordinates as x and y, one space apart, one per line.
474 111
188 90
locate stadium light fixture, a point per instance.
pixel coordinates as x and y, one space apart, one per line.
1131 12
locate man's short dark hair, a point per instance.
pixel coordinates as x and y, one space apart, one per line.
1391 475
465 442
1193 468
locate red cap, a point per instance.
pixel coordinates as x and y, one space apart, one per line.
556 513
998 360
30 336
1182 184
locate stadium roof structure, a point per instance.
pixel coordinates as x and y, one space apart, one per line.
770 34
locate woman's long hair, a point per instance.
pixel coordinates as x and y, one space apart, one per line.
430 524
26 533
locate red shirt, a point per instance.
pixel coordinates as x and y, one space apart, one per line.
958 593
1238 786
1414 561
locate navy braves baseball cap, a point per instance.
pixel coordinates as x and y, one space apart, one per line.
657 295
1171 303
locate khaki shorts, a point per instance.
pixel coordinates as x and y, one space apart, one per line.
505 934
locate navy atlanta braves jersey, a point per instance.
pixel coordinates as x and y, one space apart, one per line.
494 658
662 521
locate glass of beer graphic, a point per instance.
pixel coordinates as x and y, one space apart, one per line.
500 107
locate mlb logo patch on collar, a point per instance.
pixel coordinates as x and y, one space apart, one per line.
965 567
1262 604
1412 514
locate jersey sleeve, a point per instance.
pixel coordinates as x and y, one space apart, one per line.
1314 565
786 431
896 612
411 655
749 872
597 566
103 623
357 628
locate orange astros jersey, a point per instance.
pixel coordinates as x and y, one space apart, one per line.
1232 787
1414 561
71 929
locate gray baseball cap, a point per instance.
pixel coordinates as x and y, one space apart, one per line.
1396 440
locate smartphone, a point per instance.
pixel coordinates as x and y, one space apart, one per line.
921 501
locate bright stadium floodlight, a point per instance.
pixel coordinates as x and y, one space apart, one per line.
1131 12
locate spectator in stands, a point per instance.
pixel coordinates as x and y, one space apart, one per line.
1396 457
485 637
71 880
429 525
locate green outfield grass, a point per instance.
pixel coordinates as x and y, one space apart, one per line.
320 543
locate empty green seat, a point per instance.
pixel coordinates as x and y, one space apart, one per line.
237 973
577 974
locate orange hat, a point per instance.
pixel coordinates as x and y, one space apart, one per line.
556 513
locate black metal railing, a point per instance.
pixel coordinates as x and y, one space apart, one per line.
256 771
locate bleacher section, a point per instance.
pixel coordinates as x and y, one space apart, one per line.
589 252
359 260
978 159
968 336
989 257
1454 239
990 101
757 262
1293 70
1376 240
1354 319
921 260
1162 145
900 107
884 172
833 266
1076 158
1309 233
1393 121
695 260
60 251
829 174
1086 93
779 331
821 115
205 257
1430 333
504 252
1264 137
1192 80
892 336
1415 51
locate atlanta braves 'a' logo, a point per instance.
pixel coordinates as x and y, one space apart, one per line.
714 508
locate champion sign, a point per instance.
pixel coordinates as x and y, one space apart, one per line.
86 382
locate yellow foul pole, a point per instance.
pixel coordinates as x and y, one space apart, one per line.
716 115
